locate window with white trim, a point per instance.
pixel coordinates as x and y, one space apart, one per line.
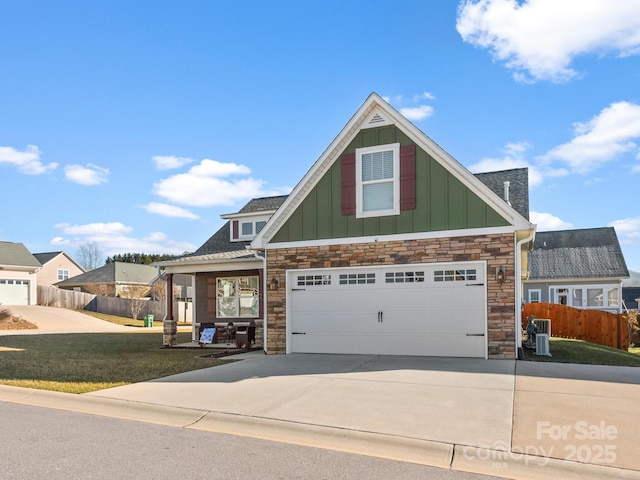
63 274
378 180
237 297
535 295
592 296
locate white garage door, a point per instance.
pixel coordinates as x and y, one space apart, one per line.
14 292
427 309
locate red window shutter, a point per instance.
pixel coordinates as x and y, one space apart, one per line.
348 170
235 229
408 177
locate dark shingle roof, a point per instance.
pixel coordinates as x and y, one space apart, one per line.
263 204
518 179
46 257
221 240
17 255
585 253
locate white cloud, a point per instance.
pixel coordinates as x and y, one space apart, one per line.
539 39
86 175
602 139
514 157
114 238
27 161
628 230
167 210
416 110
90 229
170 162
202 185
417 113
546 222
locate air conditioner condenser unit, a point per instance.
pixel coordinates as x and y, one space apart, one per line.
542 344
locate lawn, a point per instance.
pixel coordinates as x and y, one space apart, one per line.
80 363
564 350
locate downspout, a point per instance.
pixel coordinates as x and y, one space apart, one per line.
518 272
264 297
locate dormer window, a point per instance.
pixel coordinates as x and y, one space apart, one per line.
245 229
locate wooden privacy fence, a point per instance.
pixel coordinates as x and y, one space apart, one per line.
58 297
595 326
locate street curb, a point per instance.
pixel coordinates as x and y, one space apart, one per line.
105 407
522 466
424 452
392 447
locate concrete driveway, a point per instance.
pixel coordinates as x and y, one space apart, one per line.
61 320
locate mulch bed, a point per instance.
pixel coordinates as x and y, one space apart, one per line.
16 323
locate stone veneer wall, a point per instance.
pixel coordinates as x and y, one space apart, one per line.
497 250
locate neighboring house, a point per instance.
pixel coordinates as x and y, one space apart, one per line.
111 279
56 266
18 275
388 245
631 297
579 268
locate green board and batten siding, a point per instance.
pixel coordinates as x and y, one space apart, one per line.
442 201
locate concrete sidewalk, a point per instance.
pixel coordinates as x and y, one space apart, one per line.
492 417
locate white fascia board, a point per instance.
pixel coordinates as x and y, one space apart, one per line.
578 281
262 213
190 269
20 268
472 232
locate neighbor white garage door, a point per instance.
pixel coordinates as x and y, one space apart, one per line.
426 309
14 292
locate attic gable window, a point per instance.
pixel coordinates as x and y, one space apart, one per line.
243 230
378 180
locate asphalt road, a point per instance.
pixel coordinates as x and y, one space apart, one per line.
41 443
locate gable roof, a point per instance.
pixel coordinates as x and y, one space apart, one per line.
574 254
377 112
116 272
16 255
45 258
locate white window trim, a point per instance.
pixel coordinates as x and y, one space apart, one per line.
238 296
360 213
584 287
538 291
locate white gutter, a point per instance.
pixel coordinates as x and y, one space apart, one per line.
518 272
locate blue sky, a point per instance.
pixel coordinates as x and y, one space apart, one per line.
135 125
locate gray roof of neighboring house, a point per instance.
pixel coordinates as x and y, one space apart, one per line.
46 257
575 254
17 255
518 179
116 272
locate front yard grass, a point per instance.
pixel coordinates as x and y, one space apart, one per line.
80 363
564 350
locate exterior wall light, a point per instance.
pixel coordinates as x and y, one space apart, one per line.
500 274
273 284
